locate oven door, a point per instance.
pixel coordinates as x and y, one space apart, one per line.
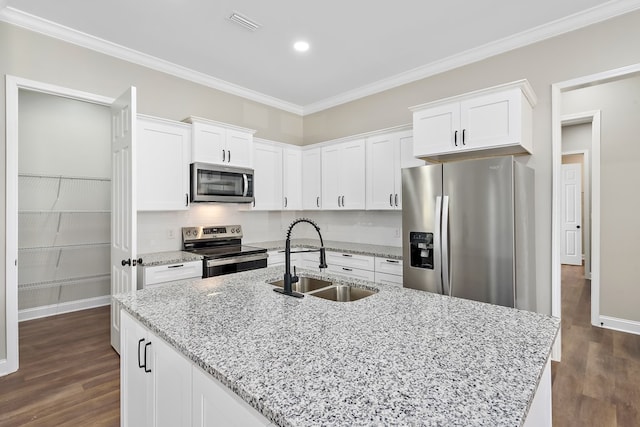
220 266
216 183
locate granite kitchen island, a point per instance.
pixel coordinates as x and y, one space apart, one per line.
397 357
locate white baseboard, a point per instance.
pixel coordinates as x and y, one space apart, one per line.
65 307
622 325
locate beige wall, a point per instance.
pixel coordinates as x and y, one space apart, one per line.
593 49
619 103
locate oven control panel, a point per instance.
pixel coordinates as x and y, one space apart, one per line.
211 232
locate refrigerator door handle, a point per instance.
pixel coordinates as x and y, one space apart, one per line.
446 280
437 249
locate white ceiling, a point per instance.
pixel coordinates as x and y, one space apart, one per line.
358 47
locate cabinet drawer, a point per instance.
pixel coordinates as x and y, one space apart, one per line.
356 273
167 273
275 258
389 266
389 279
350 260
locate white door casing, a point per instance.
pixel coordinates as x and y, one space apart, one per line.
123 203
571 252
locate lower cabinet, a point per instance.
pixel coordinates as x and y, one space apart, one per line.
156 274
160 387
155 379
351 265
215 405
388 271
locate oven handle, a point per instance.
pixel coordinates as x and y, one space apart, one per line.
235 260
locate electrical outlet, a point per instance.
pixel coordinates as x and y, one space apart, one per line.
397 232
171 234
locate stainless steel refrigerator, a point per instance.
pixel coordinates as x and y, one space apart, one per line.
468 230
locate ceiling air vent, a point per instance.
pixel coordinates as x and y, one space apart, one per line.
244 21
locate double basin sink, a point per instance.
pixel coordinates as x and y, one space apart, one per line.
326 290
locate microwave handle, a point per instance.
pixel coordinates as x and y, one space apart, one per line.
246 185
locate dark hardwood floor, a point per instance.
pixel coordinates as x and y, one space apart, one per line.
69 374
597 382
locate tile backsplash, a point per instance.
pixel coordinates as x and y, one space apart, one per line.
161 231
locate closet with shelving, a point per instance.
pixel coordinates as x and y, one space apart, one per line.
64 205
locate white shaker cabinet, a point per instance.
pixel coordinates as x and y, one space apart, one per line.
494 121
277 172
155 379
343 175
220 143
311 179
214 405
160 387
292 179
387 154
267 173
164 154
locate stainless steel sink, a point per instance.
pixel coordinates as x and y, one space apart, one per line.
305 284
343 293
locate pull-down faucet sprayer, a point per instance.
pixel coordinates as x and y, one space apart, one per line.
288 278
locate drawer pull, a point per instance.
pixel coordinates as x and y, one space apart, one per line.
347 255
176 266
347 269
393 261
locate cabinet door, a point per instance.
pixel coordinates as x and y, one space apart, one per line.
208 143
382 172
330 177
352 174
436 130
491 120
292 182
407 160
171 378
215 405
134 405
239 148
311 179
267 172
163 165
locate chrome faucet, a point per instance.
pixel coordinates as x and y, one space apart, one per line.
289 280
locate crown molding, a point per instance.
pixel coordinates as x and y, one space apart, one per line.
61 32
573 22
582 19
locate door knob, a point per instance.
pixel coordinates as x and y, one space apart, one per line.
577 226
126 262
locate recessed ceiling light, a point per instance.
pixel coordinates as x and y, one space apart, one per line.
301 46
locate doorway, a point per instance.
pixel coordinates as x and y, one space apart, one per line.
563 93
14 85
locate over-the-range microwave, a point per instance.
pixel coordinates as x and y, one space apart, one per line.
218 183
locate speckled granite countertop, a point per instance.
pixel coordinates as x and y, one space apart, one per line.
391 252
398 357
172 257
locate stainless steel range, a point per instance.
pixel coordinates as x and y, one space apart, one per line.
222 249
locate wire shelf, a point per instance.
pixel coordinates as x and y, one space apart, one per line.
62 282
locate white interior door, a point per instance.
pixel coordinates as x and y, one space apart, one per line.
571 251
123 203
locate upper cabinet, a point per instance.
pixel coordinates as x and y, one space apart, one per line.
277 170
267 174
220 143
163 164
311 179
494 121
343 175
292 182
387 154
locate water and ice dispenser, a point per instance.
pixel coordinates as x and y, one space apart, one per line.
421 249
